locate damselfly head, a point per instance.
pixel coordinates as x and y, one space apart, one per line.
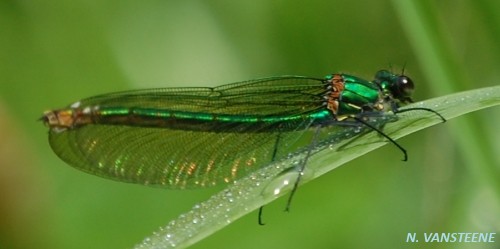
400 87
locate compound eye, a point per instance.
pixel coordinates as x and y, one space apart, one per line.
404 86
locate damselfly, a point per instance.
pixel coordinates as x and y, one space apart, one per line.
197 137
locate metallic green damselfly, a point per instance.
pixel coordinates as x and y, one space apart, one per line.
198 137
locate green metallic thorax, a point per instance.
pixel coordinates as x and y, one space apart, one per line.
357 96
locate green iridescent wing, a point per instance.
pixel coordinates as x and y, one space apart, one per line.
175 158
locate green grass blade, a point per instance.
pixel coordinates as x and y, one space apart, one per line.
440 60
269 183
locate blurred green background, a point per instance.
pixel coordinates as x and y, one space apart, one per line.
53 53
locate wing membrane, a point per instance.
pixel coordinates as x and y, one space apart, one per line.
171 158
176 158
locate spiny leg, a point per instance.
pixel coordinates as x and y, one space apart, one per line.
405 158
275 150
302 167
421 109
